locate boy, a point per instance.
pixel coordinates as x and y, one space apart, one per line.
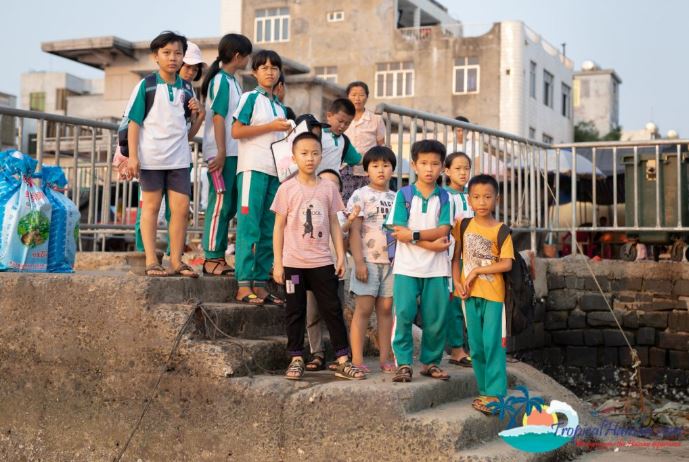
305 218
422 264
481 285
371 281
336 146
159 153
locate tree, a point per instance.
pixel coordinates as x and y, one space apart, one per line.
586 131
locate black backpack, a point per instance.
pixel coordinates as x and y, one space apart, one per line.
519 288
151 84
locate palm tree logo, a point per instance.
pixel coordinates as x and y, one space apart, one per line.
514 406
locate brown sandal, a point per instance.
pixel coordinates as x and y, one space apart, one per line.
481 405
435 372
317 363
403 374
156 270
186 271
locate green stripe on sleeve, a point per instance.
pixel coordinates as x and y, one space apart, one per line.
221 100
245 110
138 107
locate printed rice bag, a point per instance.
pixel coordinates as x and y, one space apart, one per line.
25 214
64 223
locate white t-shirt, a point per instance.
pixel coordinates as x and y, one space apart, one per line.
333 146
410 259
163 133
462 209
375 206
256 108
224 93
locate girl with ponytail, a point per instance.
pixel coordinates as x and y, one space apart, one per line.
221 91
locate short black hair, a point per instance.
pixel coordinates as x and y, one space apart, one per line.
280 80
451 158
484 179
167 37
263 56
357 83
462 119
383 153
339 178
425 146
305 136
343 105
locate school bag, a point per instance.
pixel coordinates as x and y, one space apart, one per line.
519 288
408 194
151 84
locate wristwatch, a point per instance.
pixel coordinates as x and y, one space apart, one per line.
415 237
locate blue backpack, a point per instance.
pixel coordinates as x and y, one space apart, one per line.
151 84
408 194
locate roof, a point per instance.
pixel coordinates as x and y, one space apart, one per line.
99 52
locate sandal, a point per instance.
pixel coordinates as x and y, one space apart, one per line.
156 270
333 366
481 405
186 271
317 363
464 362
217 262
363 368
251 299
435 372
388 367
403 374
349 371
273 300
295 371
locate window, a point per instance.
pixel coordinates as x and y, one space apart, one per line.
548 88
566 101
547 139
328 73
532 133
37 101
336 16
532 80
61 95
466 75
394 80
272 25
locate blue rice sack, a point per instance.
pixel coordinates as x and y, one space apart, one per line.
64 223
25 214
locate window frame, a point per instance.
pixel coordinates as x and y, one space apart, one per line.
281 15
465 68
335 16
548 89
40 95
533 86
390 75
547 139
566 109
326 73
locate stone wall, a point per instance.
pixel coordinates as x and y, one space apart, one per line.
575 337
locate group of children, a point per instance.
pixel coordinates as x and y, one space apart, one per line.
424 248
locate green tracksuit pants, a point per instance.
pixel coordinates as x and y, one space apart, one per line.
222 207
486 330
455 323
435 296
255 221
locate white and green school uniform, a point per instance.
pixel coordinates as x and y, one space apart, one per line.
224 94
163 134
420 272
333 155
257 183
455 315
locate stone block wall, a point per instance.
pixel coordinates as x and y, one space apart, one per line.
576 339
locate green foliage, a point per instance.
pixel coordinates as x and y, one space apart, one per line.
33 228
586 131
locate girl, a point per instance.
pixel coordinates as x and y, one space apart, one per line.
191 71
458 169
222 93
366 131
259 120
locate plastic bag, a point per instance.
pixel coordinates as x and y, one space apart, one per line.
64 223
25 214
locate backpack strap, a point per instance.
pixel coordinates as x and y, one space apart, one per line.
463 227
408 194
151 84
503 232
188 92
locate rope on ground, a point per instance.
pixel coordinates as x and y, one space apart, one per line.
636 362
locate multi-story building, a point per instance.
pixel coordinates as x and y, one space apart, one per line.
597 97
413 53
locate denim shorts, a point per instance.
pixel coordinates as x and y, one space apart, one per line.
378 284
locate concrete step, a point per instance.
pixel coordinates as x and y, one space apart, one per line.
241 357
497 450
240 320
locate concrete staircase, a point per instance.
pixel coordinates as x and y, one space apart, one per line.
224 398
